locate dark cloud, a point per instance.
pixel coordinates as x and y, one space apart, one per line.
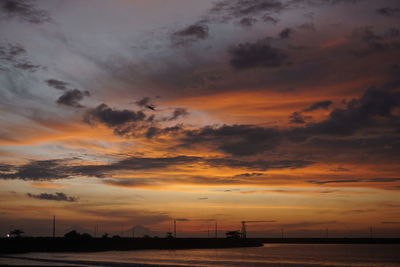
72 98
336 181
247 175
233 9
390 222
247 22
15 55
153 131
319 105
259 165
6 168
286 33
38 170
226 10
111 117
57 84
64 169
11 51
58 196
190 34
131 182
28 66
132 163
360 113
239 140
259 54
25 11
270 19
156 131
202 198
195 31
389 11
298 118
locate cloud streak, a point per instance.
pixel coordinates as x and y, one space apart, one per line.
72 98
58 196
15 54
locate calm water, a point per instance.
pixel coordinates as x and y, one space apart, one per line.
268 255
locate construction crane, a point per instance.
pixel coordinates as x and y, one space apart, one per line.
243 233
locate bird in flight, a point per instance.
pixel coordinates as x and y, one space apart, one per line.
152 107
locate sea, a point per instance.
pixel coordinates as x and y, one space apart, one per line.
268 255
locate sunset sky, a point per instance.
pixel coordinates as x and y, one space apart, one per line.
136 113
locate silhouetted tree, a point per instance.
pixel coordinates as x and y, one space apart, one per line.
72 235
169 235
105 235
86 236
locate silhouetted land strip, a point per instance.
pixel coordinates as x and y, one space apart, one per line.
328 240
41 244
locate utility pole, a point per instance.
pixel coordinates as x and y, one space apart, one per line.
96 230
216 229
282 233
370 232
327 233
133 231
175 228
54 226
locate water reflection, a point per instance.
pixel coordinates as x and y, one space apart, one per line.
268 255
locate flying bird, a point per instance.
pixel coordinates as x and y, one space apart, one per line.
152 107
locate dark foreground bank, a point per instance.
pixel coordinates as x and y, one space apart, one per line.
40 244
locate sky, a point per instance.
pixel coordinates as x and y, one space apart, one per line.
133 114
